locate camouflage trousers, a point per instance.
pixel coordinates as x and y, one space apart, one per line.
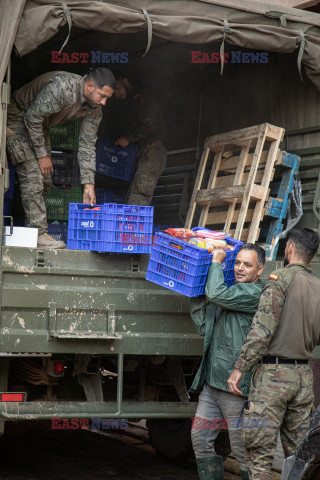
218 410
281 400
34 185
152 160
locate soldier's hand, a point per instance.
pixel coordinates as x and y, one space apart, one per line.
122 142
233 382
218 256
45 165
89 195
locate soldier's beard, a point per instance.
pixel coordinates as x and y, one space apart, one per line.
90 101
285 261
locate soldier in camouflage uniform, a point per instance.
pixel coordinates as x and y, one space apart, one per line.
223 316
147 131
52 99
283 334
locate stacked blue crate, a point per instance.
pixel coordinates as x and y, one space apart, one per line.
110 228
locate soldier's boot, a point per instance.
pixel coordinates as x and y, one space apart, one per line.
210 468
244 475
45 241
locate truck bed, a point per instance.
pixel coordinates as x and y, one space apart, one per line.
84 302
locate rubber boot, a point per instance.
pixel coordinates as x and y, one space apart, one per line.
244 475
210 468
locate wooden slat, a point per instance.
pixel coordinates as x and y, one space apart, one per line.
211 184
229 193
231 163
258 212
237 137
244 234
258 192
274 133
249 187
197 185
205 196
233 137
228 180
219 218
238 179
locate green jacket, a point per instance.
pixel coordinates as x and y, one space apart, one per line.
223 338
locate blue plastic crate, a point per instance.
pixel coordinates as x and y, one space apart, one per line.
183 267
58 232
113 228
9 193
228 263
116 161
178 265
107 196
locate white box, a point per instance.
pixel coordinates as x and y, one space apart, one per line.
21 237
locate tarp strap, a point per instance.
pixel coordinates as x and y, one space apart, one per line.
302 41
66 14
226 31
282 17
283 20
149 25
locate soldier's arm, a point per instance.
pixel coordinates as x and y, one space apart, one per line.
264 324
87 146
143 121
242 297
52 99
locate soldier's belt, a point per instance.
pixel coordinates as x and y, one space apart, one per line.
270 359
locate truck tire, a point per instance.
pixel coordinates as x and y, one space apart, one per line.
171 439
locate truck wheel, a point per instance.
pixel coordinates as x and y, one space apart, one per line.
171 440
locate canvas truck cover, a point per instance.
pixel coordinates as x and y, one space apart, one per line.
244 23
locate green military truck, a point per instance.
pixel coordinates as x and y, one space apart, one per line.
83 334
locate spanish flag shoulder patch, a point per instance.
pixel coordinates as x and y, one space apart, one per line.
273 276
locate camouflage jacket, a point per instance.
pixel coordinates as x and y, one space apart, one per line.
55 98
287 321
147 123
223 338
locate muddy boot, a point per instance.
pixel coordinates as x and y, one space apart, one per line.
45 241
210 468
244 475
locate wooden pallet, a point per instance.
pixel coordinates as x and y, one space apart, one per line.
241 167
277 207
